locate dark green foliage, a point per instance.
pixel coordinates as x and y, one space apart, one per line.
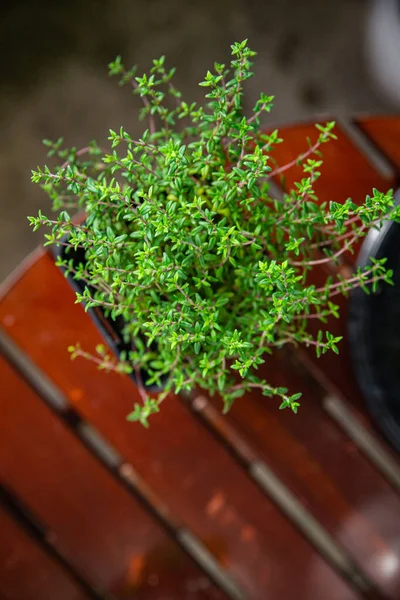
184 240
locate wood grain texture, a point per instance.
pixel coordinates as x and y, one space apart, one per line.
384 132
310 454
27 572
183 464
98 526
325 470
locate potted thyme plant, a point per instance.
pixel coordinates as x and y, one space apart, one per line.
199 270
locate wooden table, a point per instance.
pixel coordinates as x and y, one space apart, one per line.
262 504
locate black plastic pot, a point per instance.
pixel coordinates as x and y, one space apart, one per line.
111 331
374 334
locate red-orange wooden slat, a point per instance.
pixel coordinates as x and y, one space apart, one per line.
98 525
325 470
337 369
184 464
384 132
346 172
27 572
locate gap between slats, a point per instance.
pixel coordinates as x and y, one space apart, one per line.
348 420
377 159
255 466
335 404
337 411
286 501
122 471
381 134
44 537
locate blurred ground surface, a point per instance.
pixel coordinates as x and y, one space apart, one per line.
53 75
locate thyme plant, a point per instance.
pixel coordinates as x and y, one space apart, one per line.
184 241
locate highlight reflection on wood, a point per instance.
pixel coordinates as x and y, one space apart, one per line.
175 512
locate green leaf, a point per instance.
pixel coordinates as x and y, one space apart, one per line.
185 246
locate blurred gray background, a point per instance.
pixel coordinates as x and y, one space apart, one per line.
53 73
